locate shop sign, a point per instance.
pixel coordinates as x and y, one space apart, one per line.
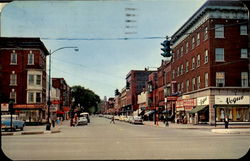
188 108
172 98
179 103
232 100
203 101
189 102
4 107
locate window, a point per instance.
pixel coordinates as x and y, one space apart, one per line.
30 58
13 79
187 47
243 53
198 82
206 79
31 79
181 50
219 54
206 57
13 58
205 34
193 43
173 73
244 79
193 84
38 79
182 87
178 87
193 62
187 66
30 97
13 96
220 79
182 69
198 39
38 97
243 30
177 53
178 71
219 31
198 60
187 85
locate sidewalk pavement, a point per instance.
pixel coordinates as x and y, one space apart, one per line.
31 130
232 129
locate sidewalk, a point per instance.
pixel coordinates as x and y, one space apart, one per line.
31 130
232 129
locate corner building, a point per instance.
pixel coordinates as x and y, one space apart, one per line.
210 65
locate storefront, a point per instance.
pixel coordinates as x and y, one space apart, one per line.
235 108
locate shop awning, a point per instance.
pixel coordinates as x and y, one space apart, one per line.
198 108
149 112
165 111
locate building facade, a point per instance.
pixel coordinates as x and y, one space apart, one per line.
23 76
210 65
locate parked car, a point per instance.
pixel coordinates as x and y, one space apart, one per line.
122 118
6 123
85 114
137 120
82 121
116 117
130 119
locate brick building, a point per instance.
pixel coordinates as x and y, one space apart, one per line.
23 76
210 64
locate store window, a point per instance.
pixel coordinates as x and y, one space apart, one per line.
234 114
219 31
220 79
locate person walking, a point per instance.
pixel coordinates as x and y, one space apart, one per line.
112 119
226 122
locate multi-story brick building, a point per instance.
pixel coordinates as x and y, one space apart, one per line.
65 96
23 76
136 82
210 64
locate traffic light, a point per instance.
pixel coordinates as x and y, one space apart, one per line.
166 48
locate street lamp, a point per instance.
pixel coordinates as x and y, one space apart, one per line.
49 102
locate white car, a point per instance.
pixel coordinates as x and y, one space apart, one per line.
137 120
82 121
130 119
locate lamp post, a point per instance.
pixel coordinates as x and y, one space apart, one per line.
49 102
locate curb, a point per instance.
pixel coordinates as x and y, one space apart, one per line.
231 131
29 132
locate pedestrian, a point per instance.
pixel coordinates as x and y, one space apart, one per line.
166 120
112 119
75 117
226 122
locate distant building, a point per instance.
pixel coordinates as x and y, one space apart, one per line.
23 76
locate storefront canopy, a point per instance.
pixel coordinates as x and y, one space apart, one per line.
198 108
149 112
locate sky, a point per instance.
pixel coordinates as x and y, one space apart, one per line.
108 49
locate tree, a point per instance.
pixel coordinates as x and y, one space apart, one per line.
86 98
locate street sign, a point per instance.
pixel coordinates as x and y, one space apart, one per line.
4 107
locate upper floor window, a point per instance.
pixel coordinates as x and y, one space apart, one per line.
13 79
182 69
178 71
198 60
198 39
173 74
187 47
193 62
219 54
30 58
193 84
187 66
219 31
13 96
206 79
38 79
178 53
182 87
38 97
206 57
31 79
243 53
220 79
243 29
181 50
13 58
187 85
30 97
193 43
198 82
205 34
244 79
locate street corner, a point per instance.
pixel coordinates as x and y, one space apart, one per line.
231 131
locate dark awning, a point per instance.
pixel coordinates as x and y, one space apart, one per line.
198 108
149 112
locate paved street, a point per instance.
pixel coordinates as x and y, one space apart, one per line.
102 140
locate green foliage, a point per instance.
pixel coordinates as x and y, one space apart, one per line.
86 98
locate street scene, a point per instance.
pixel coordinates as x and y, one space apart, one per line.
102 140
124 79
